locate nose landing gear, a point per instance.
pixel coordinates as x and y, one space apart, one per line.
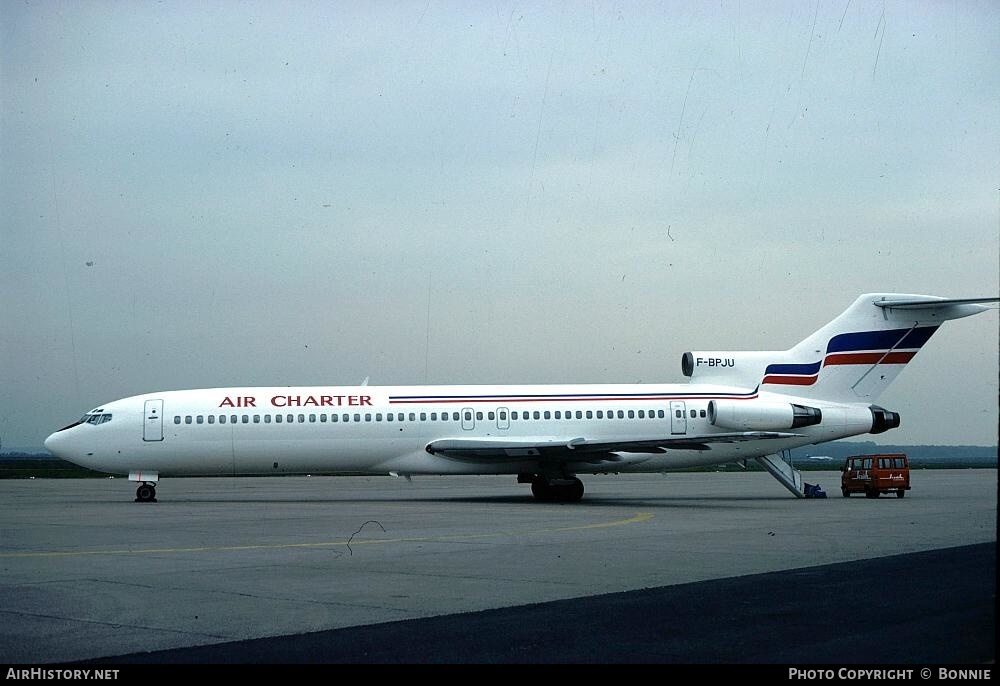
146 493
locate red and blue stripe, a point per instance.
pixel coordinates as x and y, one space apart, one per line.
894 346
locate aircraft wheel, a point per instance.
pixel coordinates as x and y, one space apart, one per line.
541 489
574 492
146 493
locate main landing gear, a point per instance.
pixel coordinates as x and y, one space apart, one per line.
146 493
554 490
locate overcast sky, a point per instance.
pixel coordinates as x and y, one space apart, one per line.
212 194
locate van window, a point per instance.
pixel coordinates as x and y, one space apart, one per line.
900 463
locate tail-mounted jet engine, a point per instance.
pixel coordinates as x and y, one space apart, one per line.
761 415
883 419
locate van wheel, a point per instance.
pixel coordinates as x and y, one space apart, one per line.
900 493
847 493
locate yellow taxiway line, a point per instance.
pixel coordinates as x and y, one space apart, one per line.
638 518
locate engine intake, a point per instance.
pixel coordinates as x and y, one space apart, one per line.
761 415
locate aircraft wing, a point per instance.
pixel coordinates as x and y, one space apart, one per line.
581 449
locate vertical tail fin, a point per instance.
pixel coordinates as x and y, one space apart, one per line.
853 358
858 354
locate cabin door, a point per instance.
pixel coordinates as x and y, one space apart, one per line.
678 417
152 423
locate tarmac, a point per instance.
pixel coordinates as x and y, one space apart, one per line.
86 573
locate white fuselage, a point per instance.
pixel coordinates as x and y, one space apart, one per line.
378 430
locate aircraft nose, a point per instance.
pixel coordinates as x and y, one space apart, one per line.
52 444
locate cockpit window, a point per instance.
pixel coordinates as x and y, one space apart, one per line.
95 419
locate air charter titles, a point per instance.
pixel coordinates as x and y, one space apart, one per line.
300 401
851 674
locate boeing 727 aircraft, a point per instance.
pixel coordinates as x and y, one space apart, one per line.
736 406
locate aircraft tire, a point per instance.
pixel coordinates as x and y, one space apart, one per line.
542 490
574 493
146 493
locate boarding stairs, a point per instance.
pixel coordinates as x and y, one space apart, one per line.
780 467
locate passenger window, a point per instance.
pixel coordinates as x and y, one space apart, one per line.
694 413
256 419
479 415
357 417
503 415
579 414
434 416
413 417
232 419
454 416
589 414
222 419
378 416
513 415
177 419
536 414
677 413
558 415
642 414
621 414
312 419
547 415
322 418
334 417
278 418
468 416
368 416
491 416
302 419
631 414
701 413
600 414
200 419
289 418
267 419
211 419
187 419
423 416
246 419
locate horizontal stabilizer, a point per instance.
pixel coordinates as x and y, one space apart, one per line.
924 303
